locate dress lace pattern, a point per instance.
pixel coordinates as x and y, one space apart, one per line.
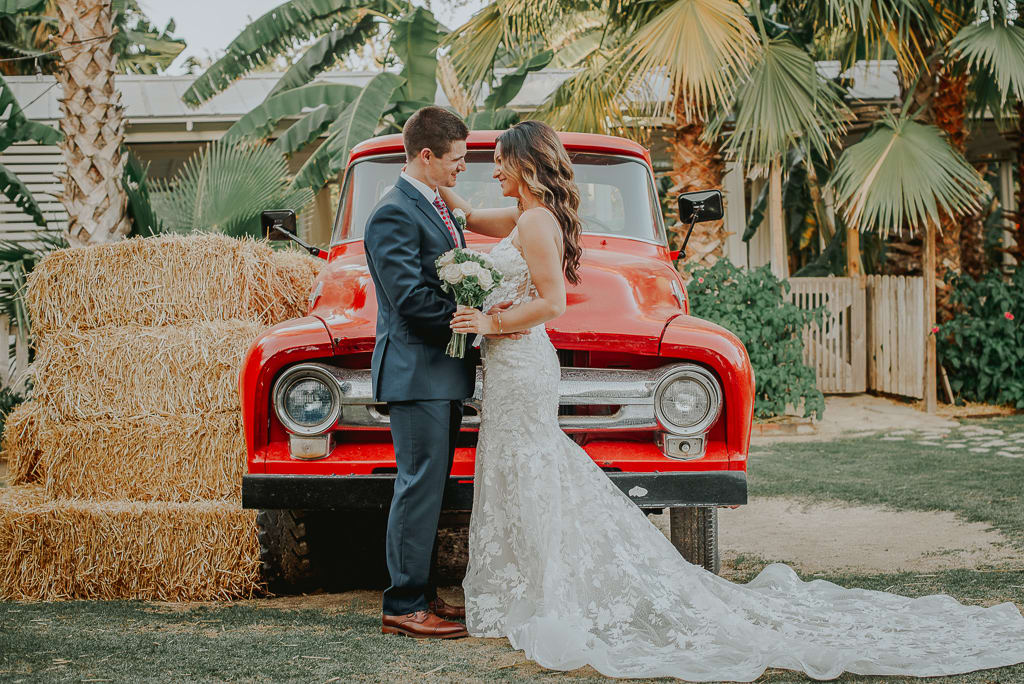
572 572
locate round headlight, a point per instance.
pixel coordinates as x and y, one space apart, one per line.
307 400
687 401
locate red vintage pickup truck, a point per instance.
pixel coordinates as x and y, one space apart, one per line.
661 400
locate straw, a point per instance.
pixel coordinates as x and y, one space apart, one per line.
52 550
166 280
134 370
148 458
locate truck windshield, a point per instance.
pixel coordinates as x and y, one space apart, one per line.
617 195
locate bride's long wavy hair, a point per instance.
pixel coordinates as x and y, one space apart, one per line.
533 156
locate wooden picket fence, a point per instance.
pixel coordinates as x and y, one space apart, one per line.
836 348
872 336
896 335
13 371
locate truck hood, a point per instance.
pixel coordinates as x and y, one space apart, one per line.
623 302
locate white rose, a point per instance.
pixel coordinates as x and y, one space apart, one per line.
446 258
460 217
451 273
486 282
469 268
487 260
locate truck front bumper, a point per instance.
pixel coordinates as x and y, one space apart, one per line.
347 492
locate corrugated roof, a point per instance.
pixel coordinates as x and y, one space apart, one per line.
159 97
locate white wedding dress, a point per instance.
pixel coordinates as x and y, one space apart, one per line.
571 571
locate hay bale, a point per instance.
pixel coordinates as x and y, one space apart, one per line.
21 441
52 550
135 370
144 458
161 281
296 273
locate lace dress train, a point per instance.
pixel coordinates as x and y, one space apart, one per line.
572 572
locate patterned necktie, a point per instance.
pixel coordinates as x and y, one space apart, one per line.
443 211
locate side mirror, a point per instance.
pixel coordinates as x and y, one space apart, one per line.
695 207
278 225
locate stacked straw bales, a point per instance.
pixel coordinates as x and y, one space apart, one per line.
127 462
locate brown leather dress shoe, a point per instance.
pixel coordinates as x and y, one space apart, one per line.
446 610
422 625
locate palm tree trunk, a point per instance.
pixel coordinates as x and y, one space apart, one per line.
92 123
949 109
697 165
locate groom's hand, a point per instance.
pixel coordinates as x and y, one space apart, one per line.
504 306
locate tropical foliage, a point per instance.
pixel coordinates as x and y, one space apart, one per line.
344 114
27 26
982 346
224 187
18 128
752 304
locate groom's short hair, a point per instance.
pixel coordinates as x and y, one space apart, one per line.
432 127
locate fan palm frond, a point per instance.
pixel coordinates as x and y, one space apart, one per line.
903 173
224 187
702 46
782 102
998 49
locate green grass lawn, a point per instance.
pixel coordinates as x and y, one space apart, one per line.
337 638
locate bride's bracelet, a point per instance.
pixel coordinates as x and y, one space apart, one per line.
498 315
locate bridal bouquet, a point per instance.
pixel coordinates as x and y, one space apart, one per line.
470 276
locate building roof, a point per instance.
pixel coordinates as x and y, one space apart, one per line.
152 98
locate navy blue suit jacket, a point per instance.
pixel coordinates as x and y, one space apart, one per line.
404 237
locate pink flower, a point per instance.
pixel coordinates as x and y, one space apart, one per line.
701 280
1008 315
935 329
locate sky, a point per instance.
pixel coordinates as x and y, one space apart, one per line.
209 25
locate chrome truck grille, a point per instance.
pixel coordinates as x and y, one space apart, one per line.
615 399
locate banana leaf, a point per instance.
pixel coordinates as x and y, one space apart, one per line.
415 38
260 121
358 121
326 52
512 83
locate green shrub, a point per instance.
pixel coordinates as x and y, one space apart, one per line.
751 304
982 348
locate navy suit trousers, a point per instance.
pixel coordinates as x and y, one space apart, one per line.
424 435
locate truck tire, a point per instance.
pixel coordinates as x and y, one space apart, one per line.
288 558
694 532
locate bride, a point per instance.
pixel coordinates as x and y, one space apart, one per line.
571 571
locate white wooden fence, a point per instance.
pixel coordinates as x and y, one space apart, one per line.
835 349
873 334
896 335
13 371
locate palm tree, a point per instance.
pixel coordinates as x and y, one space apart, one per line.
27 29
92 123
949 54
700 48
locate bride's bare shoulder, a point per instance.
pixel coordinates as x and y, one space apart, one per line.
537 229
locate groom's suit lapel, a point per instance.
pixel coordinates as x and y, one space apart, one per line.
426 207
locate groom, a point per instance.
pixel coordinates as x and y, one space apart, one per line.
424 388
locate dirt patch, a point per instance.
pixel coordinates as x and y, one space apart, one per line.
817 537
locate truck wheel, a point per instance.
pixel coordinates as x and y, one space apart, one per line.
694 532
289 564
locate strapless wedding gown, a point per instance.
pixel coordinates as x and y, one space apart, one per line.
571 571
